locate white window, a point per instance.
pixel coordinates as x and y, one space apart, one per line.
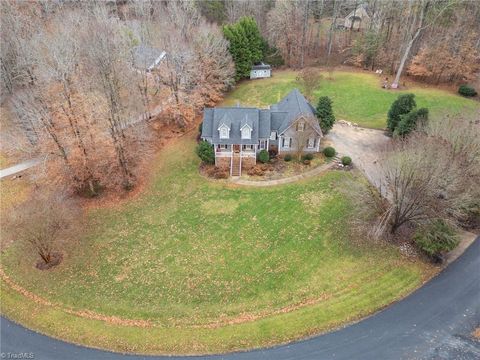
273 135
224 132
262 144
311 143
246 133
223 146
286 142
301 126
247 147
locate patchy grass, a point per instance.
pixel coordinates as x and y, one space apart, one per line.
4 161
194 266
357 96
12 192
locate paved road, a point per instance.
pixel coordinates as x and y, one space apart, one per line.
432 323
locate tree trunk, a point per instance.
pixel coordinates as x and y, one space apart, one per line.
410 43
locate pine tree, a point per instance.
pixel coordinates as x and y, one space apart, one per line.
409 121
324 113
246 45
403 105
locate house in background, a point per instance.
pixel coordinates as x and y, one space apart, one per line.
260 71
146 58
238 134
358 19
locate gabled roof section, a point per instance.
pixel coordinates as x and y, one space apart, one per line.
261 66
295 105
278 117
225 121
361 11
246 122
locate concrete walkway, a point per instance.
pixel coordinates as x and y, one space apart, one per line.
263 183
15 169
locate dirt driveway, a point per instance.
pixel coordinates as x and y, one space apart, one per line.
362 145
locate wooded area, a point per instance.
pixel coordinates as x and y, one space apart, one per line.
75 88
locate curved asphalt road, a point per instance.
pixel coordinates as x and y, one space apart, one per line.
434 322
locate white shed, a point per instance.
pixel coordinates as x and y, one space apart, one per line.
260 71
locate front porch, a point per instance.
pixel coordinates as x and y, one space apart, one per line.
236 157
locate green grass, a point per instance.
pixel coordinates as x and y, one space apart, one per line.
357 97
211 267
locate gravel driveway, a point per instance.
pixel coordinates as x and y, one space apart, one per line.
362 145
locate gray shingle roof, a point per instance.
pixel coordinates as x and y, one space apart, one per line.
278 118
261 66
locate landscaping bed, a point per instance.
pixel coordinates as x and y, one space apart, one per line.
193 266
278 168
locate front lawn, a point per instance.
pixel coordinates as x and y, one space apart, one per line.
357 96
193 266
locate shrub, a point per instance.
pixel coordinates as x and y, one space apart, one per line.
221 174
288 157
329 152
346 160
408 122
272 153
263 156
256 171
205 152
403 105
466 90
308 156
218 172
324 113
436 239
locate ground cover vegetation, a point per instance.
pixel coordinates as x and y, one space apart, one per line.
193 266
356 96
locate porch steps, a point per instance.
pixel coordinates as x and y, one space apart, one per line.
236 166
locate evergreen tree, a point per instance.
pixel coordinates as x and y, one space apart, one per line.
403 105
408 122
246 45
324 113
205 152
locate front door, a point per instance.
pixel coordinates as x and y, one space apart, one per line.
236 148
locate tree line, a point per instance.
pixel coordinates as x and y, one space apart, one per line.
434 41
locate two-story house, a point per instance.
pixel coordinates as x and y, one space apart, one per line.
238 134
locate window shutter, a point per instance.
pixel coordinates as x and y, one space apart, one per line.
289 142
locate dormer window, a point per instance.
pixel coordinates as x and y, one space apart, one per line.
246 132
224 131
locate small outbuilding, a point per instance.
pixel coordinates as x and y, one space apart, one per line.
358 19
260 71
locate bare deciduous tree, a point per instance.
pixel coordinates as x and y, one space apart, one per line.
303 133
432 174
43 224
309 79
